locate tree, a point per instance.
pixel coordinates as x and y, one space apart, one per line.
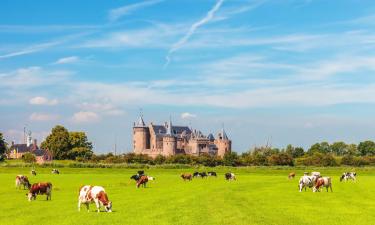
322 147
366 148
28 158
3 146
295 152
58 142
231 159
339 148
79 146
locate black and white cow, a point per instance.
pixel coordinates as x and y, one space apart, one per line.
348 175
307 181
230 176
196 174
212 174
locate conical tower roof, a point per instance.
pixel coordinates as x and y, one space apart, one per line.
141 122
169 127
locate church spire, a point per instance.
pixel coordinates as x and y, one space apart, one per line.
141 122
169 127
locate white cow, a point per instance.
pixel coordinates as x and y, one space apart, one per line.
317 174
306 181
89 194
348 175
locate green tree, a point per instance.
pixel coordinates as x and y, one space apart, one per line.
58 142
3 146
231 159
295 152
339 148
322 147
79 146
366 148
28 158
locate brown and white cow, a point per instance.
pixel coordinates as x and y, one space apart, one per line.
40 189
322 182
186 176
142 181
291 175
89 194
22 180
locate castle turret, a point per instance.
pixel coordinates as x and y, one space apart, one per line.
223 143
141 136
169 141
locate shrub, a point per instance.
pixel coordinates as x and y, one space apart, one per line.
29 158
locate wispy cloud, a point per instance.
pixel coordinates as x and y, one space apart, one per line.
30 49
193 28
42 101
67 60
85 117
117 13
187 115
43 117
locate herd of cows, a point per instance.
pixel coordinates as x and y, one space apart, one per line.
317 182
96 194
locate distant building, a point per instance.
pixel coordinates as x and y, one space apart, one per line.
169 140
17 151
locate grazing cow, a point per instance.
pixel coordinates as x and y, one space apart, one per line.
203 175
135 177
348 175
212 174
22 180
55 171
317 174
230 176
186 176
306 181
89 194
291 175
141 172
33 172
322 182
196 174
142 181
40 189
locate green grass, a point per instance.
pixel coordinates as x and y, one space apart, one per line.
259 196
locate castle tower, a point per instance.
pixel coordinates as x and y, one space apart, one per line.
141 136
169 141
223 143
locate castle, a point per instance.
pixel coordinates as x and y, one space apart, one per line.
170 140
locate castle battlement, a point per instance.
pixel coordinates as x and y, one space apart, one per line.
169 140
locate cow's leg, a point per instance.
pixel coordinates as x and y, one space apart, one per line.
97 205
330 186
79 204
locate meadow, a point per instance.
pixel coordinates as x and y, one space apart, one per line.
259 196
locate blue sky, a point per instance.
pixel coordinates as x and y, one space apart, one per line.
271 71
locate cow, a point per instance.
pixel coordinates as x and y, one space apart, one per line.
322 182
203 175
141 172
55 171
94 194
135 177
291 175
212 174
186 176
33 172
196 174
317 174
22 180
230 176
348 175
142 181
306 181
40 189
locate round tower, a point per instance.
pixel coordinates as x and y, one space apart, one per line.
169 145
141 136
223 143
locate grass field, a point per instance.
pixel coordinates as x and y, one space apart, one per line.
259 196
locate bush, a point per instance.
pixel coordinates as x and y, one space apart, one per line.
280 159
29 158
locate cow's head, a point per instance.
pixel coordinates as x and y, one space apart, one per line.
342 177
30 196
108 207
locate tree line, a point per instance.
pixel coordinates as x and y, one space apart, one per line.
74 145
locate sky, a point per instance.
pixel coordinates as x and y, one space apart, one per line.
273 72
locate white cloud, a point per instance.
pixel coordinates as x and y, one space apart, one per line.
67 60
42 101
43 117
187 115
85 117
117 13
193 28
102 108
